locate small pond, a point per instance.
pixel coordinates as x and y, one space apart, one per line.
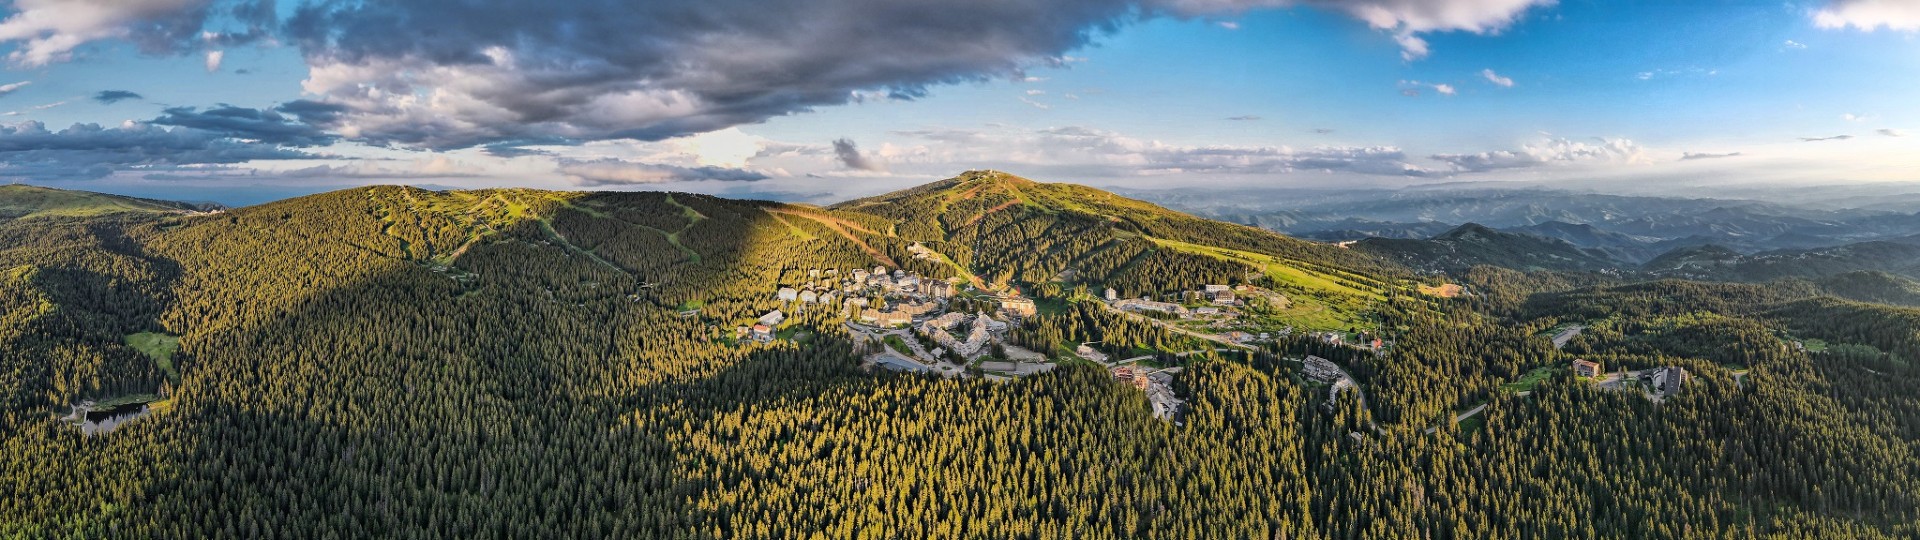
93 422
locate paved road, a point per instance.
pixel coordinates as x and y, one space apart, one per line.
923 360
1613 378
1150 357
1177 329
1560 340
1462 417
894 361
919 352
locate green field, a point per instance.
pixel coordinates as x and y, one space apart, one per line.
898 345
1815 345
1526 383
1318 300
160 347
22 201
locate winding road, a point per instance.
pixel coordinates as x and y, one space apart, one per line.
1462 417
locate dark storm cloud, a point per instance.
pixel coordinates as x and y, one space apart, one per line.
507 150
850 156
508 70
649 70
115 96
264 125
29 150
312 112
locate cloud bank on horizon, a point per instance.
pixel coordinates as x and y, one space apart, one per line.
696 94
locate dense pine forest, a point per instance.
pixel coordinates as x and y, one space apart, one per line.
392 361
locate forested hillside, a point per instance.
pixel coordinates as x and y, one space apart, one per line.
393 361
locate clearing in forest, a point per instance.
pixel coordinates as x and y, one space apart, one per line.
1317 299
160 347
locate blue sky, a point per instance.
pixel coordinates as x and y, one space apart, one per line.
825 99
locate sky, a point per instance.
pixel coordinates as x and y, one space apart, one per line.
821 100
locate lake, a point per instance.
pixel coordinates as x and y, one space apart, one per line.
100 422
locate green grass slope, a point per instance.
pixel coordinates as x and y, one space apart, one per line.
23 201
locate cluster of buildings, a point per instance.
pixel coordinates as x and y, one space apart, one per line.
1325 371
899 314
1209 301
1158 384
1665 381
1661 382
1139 305
1367 341
828 286
980 333
763 329
1218 294
1018 306
910 295
921 252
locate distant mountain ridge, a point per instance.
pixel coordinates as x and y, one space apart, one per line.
1473 244
1650 225
19 201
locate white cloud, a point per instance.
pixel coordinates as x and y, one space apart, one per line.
1035 104
1791 44
1406 19
1412 47
1553 151
1412 88
40 107
1496 79
213 60
1850 117
1036 92
51 29
1230 25
1693 156
13 87
1081 151
1869 15
1683 72
614 172
437 166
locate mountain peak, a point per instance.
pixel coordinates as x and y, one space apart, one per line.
993 176
1469 231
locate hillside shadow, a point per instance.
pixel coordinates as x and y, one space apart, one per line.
406 400
522 443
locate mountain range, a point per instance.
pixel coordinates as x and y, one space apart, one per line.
396 361
1630 229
